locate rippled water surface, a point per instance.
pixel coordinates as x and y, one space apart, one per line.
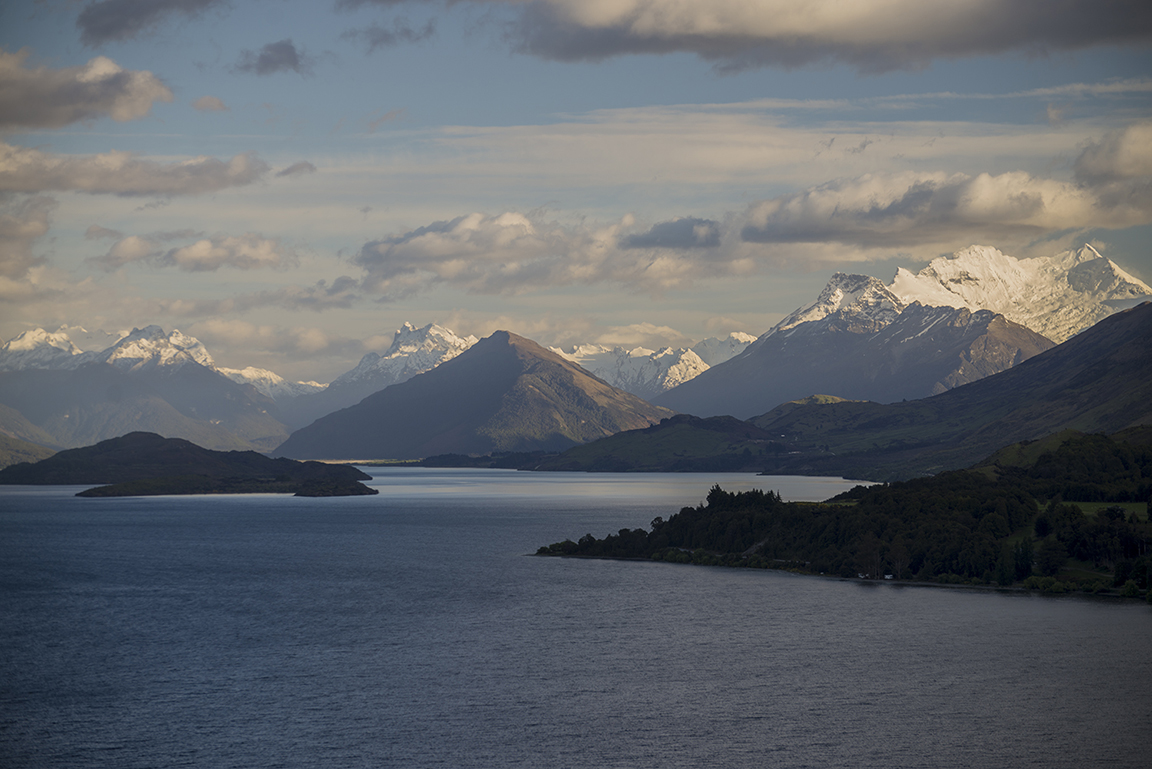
410 629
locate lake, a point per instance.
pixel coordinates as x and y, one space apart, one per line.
412 629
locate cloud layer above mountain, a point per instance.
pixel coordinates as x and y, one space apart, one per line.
872 35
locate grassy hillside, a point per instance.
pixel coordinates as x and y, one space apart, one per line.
14 451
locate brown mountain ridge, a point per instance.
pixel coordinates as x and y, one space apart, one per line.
506 393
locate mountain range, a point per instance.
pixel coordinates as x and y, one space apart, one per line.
961 318
858 341
505 393
1056 296
1098 381
648 373
148 380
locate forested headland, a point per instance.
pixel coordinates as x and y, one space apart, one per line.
1068 513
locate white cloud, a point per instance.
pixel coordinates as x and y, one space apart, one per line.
51 98
1123 154
872 35
122 173
939 209
210 104
512 253
243 252
21 225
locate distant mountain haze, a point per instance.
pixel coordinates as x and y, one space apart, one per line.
505 393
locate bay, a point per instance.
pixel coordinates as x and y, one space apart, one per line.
412 629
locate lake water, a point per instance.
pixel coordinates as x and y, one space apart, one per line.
410 630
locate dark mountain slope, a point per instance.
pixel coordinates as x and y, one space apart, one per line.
1097 381
922 352
506 393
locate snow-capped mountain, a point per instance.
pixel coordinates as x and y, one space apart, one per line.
148 380
38 348
270 383
860 301
713 351
413 351
1056 296
861 342
639 371
648 373
149 348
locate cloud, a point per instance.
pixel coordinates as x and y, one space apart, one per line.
109 20
21 225
376 36
342 293
908 209
122 173
96 232
51 98
642 335
512 253
687 232
280 56
871 35
209 104
244 252
1123 154
301 168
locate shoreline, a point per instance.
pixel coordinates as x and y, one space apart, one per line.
1111 594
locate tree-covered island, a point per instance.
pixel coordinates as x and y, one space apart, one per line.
1067 513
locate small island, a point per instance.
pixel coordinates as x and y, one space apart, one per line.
145 464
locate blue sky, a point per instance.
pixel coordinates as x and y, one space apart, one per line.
291 181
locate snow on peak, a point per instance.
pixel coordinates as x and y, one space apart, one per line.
1056 296
860 298
37 348
270 383
38 338
413 351
713 351
150 347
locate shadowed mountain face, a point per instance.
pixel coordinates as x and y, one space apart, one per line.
922 351
506 393
1098 381
98 401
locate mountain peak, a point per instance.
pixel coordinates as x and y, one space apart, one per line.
150 347
1056 296
37 348
859 299
38 338
505 393
413 350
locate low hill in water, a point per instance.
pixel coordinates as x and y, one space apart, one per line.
145 464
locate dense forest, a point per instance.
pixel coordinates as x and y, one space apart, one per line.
1073 517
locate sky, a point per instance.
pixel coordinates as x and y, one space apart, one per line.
291 181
